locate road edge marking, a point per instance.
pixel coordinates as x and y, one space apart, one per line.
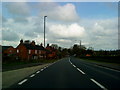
32 75
101 86
107 68
74 65
23 81
38 72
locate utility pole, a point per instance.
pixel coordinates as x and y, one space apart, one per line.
44 30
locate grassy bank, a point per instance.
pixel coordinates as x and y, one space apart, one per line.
109 59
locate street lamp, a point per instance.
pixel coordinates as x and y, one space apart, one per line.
44 30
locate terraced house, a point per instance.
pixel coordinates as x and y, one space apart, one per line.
27 50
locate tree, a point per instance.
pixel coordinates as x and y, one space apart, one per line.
55 46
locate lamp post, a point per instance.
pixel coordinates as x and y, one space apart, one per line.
44 30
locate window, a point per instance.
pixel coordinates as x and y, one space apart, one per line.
35 51
17 51
10 51
39 52
29 51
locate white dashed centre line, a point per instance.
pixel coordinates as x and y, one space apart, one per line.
80 71
20 83
101 86
32 75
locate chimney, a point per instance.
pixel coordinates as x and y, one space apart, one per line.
47 45
33 43
41 44
21 41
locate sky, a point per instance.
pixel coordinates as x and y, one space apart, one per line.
94 23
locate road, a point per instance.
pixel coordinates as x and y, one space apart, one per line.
71 72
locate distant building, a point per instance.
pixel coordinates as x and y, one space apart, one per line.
51 52
28 50
8 50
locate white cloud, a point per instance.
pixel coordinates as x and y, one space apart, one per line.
103 34
63 13
72 30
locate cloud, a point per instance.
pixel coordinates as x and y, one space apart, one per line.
72 30
103 33
65 13
9 35
17 8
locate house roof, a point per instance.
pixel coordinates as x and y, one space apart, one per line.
36 47
5 47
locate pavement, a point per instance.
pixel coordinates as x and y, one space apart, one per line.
72 73
12 76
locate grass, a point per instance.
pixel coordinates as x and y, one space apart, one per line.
102 59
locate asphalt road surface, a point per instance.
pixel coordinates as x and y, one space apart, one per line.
72 73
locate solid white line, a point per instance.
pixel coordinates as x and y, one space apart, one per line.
107 68
101 86
80 71
22 82
69 59
32 75
74 66
38 72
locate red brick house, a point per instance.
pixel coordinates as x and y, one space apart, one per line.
51 52
28 50
8 50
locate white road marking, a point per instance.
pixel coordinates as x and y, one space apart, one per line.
32 75
69 60
74 66
101 86
80 71
20 83
38 72
107 68
42 69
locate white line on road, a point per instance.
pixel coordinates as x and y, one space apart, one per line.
74 66
69 60
107 68
101 86
80 71
22 82
38 72
32 75
42 69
